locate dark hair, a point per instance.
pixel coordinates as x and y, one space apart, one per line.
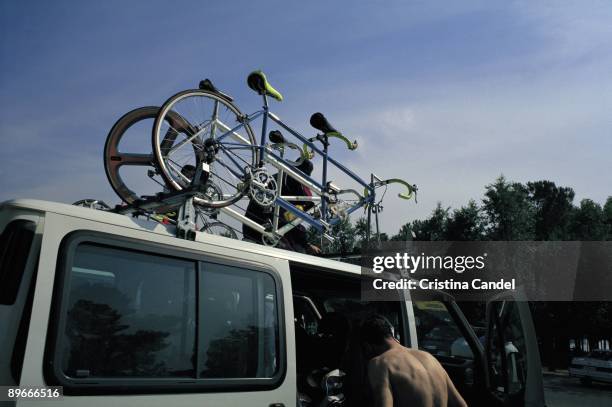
375 329
306 166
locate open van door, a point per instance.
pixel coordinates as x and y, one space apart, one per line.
443 331
513 363
506 371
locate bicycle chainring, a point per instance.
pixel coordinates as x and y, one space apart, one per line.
263 187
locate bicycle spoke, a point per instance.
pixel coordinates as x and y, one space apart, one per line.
223 179
187 140
133 159
235 173
236 155
197 118
178 172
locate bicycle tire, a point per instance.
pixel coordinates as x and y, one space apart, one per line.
219 229
199 130
113 158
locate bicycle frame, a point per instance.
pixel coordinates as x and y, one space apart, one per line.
322 189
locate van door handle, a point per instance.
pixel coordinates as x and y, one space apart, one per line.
277 405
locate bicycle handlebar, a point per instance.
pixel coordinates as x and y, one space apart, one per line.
352 145
412 188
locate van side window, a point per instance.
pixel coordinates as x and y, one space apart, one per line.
15 243
239 325
438 333
508 365
306 315
130 314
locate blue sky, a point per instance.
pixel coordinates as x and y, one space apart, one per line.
448 95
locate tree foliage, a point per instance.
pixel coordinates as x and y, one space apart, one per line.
538 210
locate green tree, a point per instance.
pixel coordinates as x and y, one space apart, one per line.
553 210
607 212
361 229
344 234
509 211
589 222
466 224
405 232
434 227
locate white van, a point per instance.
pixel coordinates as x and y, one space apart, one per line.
120 312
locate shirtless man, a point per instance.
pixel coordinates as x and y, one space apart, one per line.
402 377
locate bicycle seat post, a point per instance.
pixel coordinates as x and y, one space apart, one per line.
325 141
264 127
369 228
280 174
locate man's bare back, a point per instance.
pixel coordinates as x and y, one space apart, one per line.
402 377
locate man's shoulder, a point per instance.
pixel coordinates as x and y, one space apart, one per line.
377 361
407 357
420 354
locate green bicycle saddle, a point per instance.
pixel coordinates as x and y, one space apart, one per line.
319 122
258 82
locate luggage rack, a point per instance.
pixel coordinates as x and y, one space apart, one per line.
167 201
155 206
186 219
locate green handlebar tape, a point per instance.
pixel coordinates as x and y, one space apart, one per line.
309 155
352 145
402 195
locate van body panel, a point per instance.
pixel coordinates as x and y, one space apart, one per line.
58 226
11 315
56 222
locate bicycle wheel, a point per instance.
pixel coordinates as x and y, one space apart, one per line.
219 229
192 129
114 159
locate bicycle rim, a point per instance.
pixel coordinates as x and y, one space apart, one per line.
114 159
219 229
187 133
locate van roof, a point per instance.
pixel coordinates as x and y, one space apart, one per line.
169 230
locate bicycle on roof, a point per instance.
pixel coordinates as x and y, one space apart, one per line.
204 129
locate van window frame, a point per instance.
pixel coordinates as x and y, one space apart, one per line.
407 339
14 255
104 386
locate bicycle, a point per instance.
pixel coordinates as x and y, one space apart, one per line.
115 159
202 128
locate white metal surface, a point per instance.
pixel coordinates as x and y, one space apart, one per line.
61 219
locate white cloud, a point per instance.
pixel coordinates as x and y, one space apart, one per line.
554 127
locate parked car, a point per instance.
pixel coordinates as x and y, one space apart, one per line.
596 366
